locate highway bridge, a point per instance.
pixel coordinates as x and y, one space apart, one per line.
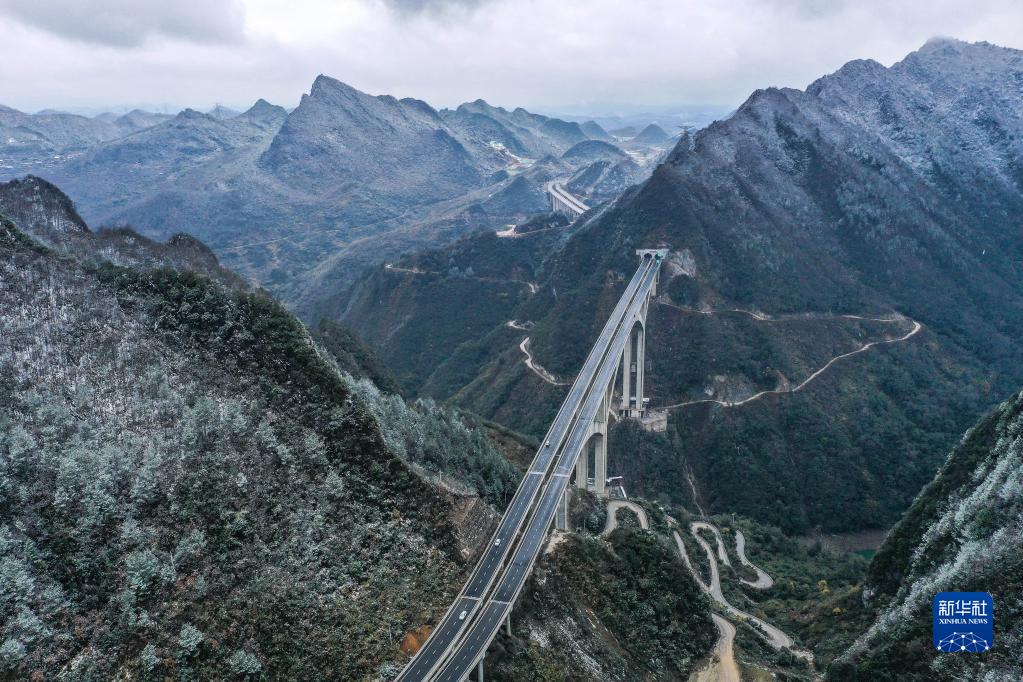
564 202
609 385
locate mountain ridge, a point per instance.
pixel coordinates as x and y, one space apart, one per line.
344 180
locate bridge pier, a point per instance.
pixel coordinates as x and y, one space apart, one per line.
640 369
563 202
582 465
633 404
634 354
561 516
627 377
600 466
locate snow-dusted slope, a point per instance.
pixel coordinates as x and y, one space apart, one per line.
963 533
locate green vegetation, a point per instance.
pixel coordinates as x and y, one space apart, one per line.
438 326
817 593
443 441
626 518
354 356
587 512
627 604
961 534
190 489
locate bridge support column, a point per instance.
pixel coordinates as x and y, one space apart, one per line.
507 623
640 372
582 473
600 467
627 377
479 671
561 516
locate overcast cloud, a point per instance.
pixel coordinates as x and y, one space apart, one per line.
128 23
536 53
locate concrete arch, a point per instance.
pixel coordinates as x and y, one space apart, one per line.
591 465
633 374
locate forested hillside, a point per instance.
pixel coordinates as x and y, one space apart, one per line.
620 609
190 487
963 533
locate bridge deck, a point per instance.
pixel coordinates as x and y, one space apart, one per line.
570 201
453 626
473 647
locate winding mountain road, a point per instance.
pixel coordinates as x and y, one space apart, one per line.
723 667
532 286
774 636
763 580
799 387
536 368
612 515
722 553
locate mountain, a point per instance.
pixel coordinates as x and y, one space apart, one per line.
651 135
263 115
354 357
175 176
220 493
137 119
866 249
48 215
591 151
593 131
52 131
222 112
964 532
31 142
604 180
624 120
397 152
186 470
303 201
464 294
533 134
36 142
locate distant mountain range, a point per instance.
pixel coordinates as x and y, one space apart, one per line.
804 227
620 116
34 141
293 199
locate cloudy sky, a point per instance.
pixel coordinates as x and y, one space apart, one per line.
93 54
